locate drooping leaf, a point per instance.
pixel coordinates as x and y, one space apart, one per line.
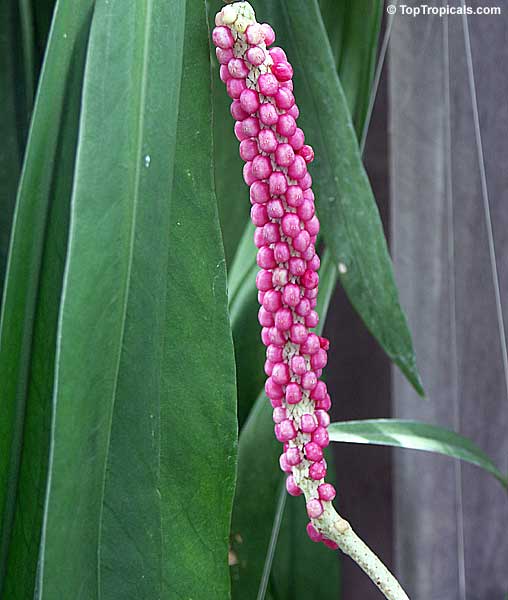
32 298
416 436
120 203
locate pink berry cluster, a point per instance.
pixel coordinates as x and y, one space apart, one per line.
259 82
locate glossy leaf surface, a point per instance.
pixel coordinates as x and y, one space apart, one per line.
415 436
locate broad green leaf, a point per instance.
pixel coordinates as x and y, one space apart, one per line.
259 480
353 32
416 436
350 220
120 203
32 297
173 445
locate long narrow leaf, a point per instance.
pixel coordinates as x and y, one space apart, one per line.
416 436
129 108
32 296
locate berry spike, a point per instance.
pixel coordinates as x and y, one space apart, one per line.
259 81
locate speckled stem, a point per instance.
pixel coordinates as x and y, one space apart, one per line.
238 17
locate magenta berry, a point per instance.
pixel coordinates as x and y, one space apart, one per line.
277 55
284 155
313 533
267 84
282 70
326 492
223 38
314 508
292 488
268 114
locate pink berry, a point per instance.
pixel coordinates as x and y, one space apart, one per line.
255 56
303 307
264 280
274 353
224 73
284 155
298 168
330 544
283 319
261 167
297 140
298 365
259 215
249 100
311 345
286 126
284 99
307 423
259 192
323 418
265 259
222 37
314 508
309 380
320 391
297 266
284 465
293 456
259 239
276 337
250 126
277 54
267 84
313 533
291 294
294 196
306 182
268 33
317 471
237 68
282 70
279 414
313 451
277 182
293 392
248 149
265 318
272 300
293 111
310 279
302 240
325 404
254 34
312 225
314 263
224 56
298 333
268 114
287 431
291 225
280 373
267 141
326 492
273 390
292 488
307 153
275 209
238 129
248 175
268 367
321 437
280 276
281 252
271 232
319 359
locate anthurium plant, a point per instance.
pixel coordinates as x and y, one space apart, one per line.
161 347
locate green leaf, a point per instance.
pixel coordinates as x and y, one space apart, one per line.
15 102
120 203
350 220
416 436
173 446
353 31
32 298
